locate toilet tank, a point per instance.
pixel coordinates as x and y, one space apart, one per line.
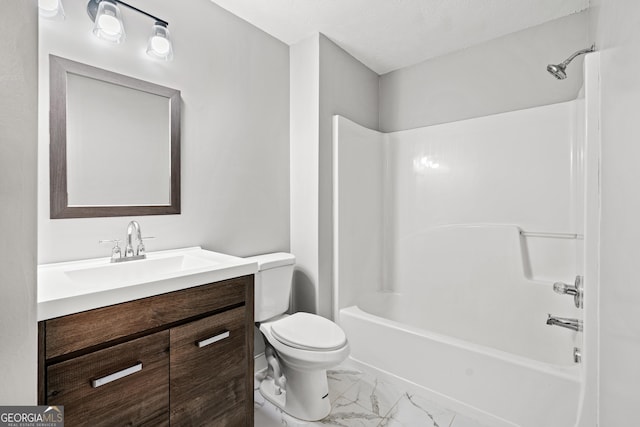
273 284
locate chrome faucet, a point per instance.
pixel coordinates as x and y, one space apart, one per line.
133 228
573 324
129 254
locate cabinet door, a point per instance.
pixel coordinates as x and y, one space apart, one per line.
127 384
209 371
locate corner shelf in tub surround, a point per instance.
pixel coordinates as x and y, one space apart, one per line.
176 357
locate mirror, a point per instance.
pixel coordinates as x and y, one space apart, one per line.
115 144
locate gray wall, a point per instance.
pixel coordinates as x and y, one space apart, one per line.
500 75
18 172
305 105
234 80
618 37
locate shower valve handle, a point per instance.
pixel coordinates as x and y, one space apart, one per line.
576 290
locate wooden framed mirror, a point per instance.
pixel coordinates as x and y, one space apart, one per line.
115 144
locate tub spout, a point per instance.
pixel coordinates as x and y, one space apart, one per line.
573 324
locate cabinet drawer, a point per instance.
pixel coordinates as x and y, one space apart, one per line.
209 381
82 330
107 387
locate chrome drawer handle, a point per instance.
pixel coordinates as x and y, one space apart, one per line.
116 375
213 339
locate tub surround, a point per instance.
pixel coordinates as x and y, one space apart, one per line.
472 285
473 233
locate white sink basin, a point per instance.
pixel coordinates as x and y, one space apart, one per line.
154 266
71 287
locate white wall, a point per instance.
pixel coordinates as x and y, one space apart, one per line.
618 40
325 81
18 153
500 75
234 80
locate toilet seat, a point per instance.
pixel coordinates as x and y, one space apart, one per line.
308 331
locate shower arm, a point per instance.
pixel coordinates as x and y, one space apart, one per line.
578 53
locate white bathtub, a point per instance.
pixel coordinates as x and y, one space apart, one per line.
508 389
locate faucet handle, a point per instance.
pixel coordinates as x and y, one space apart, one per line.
564 288
116 252
116 241
141 250
576 290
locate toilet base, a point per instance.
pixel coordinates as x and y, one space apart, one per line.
272 393
306 395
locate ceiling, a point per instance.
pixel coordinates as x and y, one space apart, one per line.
389 34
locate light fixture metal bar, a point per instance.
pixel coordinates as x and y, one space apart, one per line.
162 21
92 8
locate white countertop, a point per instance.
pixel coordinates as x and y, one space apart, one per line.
71 287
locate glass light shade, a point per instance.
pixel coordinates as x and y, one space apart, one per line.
108 24
159 45
51 9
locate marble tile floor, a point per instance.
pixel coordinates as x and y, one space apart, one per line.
359 399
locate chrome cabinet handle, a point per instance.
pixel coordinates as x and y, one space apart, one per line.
116 375
213 339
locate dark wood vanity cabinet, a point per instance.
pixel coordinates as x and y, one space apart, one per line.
212 373
183 358
140 398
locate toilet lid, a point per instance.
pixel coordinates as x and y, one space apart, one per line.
308 331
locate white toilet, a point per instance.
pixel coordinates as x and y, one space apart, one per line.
299 347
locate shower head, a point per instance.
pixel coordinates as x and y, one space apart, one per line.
559 70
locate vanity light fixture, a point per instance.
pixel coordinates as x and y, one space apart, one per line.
51 9
109 26
108 23
159 45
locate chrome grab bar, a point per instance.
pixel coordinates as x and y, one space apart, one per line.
552 235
